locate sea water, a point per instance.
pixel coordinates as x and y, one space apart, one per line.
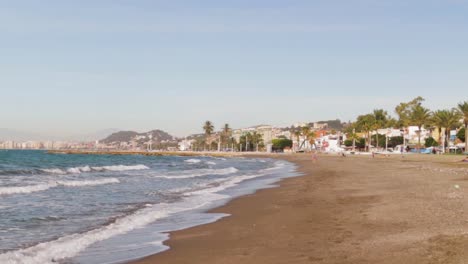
57 208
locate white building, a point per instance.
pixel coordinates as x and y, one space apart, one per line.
185 145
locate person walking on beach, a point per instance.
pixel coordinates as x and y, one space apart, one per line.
314 157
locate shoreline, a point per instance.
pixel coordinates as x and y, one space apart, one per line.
302 224
154 153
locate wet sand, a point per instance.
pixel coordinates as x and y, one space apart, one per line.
343 210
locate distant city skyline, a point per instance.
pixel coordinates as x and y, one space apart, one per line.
76 67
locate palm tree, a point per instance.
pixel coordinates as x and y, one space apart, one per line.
366 124
452 120
380 122
208 128
311 137
438 118
226 133
297 134
305 131
256 139
463 110
419 117
403 110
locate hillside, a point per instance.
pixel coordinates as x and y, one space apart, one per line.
158 136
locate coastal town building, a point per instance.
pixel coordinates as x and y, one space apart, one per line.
186 144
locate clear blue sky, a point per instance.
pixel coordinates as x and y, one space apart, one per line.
70 67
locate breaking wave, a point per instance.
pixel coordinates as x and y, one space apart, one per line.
75 170
26 189
78 170
46 186
193 161
200 173
71 245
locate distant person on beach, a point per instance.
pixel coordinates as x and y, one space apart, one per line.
314 156
373 154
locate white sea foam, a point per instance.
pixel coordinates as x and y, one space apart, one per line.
78 170
278 165
201 173
121 168
210 163
70 245
54 171
26 189
193 161
74 170
46 186
231 182
88 182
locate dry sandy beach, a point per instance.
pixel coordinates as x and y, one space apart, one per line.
343 210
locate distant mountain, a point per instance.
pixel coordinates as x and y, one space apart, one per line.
158 136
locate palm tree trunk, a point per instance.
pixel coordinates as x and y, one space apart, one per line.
369 141
448 139
419 140
440 135
377 138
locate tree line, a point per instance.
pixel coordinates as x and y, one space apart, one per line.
224 140
413 113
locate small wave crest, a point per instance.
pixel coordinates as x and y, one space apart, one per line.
88 182
26 189
46 186
74 170
121 168
193 161
70 245
78 170
201 173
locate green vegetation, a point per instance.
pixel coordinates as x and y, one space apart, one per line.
366 124
420 117
208 127
404 111
226 136
462 135
360 143
462 109
281 144
251 142
430 142
410 113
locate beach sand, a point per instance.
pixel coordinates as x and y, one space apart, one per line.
343 210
